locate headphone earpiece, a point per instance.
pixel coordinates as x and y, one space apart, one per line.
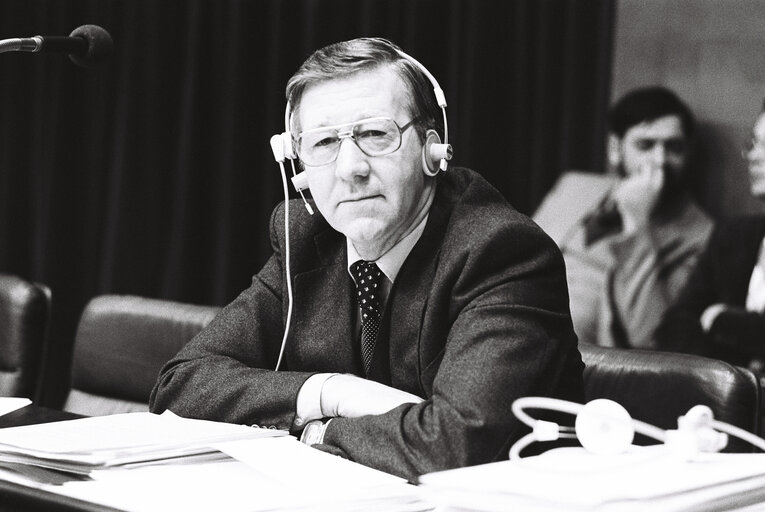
604 427
435 154
281 147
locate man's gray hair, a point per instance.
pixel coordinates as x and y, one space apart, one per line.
347 58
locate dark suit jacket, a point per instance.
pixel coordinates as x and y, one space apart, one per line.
477 317
721 276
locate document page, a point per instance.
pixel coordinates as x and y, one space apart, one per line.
10 404
573 479
118 439
230 486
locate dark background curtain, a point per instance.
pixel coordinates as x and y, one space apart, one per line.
153 175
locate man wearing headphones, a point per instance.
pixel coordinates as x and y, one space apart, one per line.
424 303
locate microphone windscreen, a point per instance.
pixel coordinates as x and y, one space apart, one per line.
100 45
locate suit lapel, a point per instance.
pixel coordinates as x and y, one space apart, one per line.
322 337
397 353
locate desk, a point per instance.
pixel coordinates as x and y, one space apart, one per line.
264 472
15 497
34 414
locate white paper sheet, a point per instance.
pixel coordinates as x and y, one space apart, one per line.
572 479
98 441
289 460
10 404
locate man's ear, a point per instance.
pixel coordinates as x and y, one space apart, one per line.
614 153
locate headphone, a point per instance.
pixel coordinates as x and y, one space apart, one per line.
435 156
604 427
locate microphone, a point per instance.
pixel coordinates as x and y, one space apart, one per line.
87 46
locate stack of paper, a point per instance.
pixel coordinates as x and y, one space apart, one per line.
267 475
143 462
571 479
82 445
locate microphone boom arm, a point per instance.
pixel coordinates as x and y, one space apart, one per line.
88 45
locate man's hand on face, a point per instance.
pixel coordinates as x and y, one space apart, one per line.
350 396
636 196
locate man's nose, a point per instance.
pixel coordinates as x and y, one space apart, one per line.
351 162
659 155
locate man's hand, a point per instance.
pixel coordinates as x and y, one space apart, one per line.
350 396
637 195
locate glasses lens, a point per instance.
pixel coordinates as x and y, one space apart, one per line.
318 147
377 137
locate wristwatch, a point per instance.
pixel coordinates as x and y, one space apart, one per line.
313 433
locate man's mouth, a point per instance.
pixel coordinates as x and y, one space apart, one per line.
358 199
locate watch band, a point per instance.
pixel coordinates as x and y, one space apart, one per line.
313 433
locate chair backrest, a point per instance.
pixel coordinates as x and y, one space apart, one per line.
24 321
658 387
122 342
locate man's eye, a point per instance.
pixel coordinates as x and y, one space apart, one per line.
326 141
644 145
367 134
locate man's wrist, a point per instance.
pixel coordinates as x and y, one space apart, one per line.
308 406
328 401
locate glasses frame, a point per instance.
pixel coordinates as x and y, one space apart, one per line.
348 134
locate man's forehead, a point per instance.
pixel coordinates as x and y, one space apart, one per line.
368 93
663 128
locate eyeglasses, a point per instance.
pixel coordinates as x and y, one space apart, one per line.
376 136
750 146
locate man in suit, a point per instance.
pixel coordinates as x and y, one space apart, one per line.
721 311
424 305
629 255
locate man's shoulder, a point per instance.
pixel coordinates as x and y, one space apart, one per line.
470 198
573 197
479 214
302 224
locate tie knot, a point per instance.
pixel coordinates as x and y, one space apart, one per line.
368 279
366 270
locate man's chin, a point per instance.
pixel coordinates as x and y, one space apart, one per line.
363 230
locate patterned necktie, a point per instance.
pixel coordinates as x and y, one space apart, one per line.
368 286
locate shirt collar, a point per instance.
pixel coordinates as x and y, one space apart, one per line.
390 262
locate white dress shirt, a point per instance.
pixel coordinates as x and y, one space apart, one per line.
755 297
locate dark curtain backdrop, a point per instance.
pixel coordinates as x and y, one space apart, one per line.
153 175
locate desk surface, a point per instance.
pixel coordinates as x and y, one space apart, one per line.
33 414
17 497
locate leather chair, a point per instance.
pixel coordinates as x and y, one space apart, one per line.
122 342
24 320
658 387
